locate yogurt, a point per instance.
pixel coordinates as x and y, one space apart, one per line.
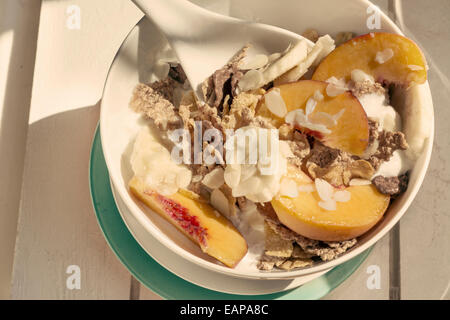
377 107
250 174
399 164
152 162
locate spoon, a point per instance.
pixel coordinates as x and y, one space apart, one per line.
205 41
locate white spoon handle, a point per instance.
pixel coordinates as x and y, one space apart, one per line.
179 20
205 41
201 39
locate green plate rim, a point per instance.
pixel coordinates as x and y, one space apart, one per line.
163 282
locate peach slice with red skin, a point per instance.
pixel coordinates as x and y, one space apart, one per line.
351 131
213 233
350 219
406 67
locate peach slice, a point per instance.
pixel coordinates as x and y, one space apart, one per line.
350 219
399 61
212 232
349 133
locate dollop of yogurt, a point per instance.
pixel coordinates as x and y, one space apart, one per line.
151 161
250 174
399 164
377 108
250 224
376 105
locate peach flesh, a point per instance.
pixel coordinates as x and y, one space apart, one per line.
195 218
182 217
406 67
351 133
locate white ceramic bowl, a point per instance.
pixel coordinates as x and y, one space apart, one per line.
119 125
198 275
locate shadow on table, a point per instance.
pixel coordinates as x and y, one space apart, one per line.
19 22
57 224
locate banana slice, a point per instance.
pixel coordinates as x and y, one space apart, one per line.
320 50
414 105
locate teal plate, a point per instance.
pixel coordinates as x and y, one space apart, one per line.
163 282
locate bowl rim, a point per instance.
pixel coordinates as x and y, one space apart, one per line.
146 222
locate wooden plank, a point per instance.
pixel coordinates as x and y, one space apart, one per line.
424 231
362 284
356 286
425 256
57 227
19 22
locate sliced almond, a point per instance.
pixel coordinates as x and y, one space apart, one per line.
338 115
310 106
232 175
306 188
167 189
414 67
329 205
323 118
297 117
324 189
275 103
318 96
360 76
335 87
290 117
384 56
214 179
359 182
247 171
252 79
334 91
342 196
288 188
183 178
315 127
249 186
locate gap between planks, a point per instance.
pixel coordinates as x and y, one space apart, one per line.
395 13
135 288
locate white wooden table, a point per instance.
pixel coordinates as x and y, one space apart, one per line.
50 109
